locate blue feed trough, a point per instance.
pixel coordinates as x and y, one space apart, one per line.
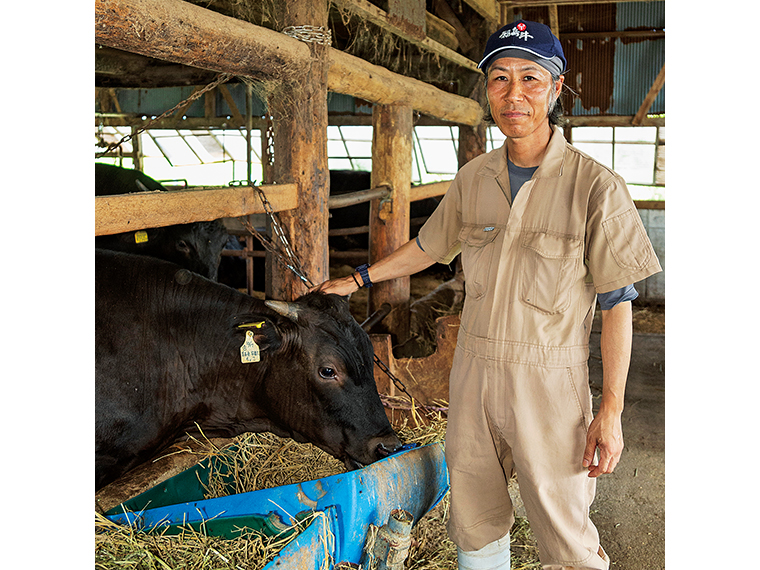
414 480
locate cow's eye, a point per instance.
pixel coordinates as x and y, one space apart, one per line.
328 373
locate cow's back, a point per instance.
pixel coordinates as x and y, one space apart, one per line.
168 356
155 326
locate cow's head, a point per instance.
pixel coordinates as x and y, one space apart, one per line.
199 246
319 384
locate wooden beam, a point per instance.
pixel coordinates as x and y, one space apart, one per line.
659 82
612 121
443 9
140 210
129 120
380 18
180 32
489 9
626 34
358 78
431 190
118 68
441 31
534 3
236 114
554 19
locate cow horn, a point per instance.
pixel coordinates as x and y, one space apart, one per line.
284 308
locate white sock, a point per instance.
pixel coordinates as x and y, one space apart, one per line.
493 556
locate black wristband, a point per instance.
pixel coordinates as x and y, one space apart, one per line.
363 271
355 281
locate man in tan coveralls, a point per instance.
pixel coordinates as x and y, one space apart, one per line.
534 262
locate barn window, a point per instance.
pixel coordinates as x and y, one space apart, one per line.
636 153
214 157
349 147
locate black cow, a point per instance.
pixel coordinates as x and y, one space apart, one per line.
195 246
357 215
168 355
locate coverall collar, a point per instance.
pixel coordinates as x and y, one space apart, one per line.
550 167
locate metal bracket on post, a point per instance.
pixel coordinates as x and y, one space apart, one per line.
390 546
386 204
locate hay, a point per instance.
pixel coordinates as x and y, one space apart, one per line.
432 549
261 461
119 546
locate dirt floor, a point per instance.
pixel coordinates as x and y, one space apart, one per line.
629 510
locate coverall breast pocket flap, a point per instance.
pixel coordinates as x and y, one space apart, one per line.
476 253
552 246
549 267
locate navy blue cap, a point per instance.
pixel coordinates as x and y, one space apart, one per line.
526 40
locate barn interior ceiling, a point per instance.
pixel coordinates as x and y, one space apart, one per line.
615 49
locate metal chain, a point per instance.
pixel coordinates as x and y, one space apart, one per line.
289 259
310 34
222 78
398 383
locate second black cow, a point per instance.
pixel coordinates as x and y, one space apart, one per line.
196 246
174 349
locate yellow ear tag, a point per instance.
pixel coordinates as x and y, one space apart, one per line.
248 325
249 352
141 236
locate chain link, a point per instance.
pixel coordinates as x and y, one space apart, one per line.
291 261
222 78
310 34
287 257
398 383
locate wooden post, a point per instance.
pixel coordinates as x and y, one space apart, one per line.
554 19
299 107
472 140
389 220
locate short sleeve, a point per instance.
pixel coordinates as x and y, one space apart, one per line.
618 251
439 236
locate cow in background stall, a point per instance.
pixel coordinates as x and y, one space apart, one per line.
357 215
174 349
196 246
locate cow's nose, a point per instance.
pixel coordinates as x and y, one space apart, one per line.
384 449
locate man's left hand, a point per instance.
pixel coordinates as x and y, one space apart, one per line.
606 434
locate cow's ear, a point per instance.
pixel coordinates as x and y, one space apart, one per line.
265 332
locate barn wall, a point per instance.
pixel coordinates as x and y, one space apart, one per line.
610 75
653 288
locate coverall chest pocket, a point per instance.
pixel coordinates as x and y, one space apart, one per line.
477 249
548 269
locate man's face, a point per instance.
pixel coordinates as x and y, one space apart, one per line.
519 92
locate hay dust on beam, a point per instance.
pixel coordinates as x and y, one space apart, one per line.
263 460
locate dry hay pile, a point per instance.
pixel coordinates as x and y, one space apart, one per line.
263 460
118 546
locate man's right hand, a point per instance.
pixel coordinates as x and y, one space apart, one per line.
343 286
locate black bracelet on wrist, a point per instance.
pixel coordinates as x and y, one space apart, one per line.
363 271
355 280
